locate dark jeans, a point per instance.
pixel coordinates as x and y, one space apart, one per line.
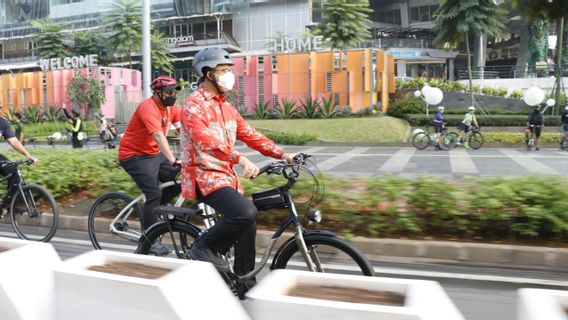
75 140
12 181
148 171
238 227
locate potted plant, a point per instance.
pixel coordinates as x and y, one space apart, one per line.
115 285
539 304
26 281
290 294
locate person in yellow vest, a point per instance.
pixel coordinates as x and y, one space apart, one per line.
77 128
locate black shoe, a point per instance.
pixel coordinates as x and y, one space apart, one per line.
201 253
437 148
158 249
537 148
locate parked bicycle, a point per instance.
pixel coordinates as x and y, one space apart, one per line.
114 220
315 251
33 210
474 138
564 137
424 138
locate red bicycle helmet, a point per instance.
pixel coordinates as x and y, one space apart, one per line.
164 83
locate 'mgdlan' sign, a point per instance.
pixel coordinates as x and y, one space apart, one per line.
75 62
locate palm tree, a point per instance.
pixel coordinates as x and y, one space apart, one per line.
457 19
89 42
50 39
550 10
124 22
344 23
161 56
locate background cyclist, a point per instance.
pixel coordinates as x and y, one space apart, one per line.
535 122
144 151
465 126
564 121
439 123
210 128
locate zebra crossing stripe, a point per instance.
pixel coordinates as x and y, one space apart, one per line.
398 161
528 162
460 162
340 159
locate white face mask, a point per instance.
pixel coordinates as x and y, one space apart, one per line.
227 81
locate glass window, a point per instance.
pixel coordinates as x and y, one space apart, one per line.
198 30
211 29
424 14
414 14
397 18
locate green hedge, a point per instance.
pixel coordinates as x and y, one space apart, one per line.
531 207
288 138
484 121
41 130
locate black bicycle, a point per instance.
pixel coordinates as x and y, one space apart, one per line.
34 213
315 251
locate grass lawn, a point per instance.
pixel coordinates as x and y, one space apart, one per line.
368 129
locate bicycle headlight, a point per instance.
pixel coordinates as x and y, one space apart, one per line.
314 216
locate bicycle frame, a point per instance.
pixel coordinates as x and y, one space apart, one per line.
21 183
125 213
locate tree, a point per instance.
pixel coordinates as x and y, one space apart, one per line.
344 23
50 40
86 93
88 42
124 22
457 19
161 56
550 10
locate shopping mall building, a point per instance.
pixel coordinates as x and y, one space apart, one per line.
263 29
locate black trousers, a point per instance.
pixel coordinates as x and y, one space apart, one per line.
147 172
238 227
75 140
12 181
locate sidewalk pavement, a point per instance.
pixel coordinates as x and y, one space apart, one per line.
74 216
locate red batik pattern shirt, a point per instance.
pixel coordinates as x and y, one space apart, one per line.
210 127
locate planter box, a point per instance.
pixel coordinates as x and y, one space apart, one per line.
540 304
26 280
271 299
186 290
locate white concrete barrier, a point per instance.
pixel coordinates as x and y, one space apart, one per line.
187 290
424 300
540 304
26 279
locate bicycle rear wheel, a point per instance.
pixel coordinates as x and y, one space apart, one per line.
34 213
476 140
124 232
177 236
420 141
327 252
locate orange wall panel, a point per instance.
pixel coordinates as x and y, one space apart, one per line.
299 63
354 59
339 81
322 61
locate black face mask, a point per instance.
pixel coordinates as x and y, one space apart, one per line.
170 101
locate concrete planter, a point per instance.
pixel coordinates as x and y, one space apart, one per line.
424 300
187 290
537 304
26 280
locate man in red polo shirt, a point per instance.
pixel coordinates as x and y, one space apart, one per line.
144 151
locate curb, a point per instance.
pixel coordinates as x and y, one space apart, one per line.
479 254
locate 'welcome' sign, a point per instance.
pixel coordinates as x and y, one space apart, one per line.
74 62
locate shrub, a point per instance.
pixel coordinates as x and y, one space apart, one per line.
489 121
309 108
297 139
409 105
328 108
262 110
516 94
286 109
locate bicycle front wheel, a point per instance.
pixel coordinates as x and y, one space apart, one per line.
449 140
328 253
476 140
177 236
113 222
34 213
420 141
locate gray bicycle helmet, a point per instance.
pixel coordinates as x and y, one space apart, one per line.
210 57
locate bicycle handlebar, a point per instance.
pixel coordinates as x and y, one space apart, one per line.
277 167
7 163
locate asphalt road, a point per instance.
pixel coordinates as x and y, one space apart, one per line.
480 293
